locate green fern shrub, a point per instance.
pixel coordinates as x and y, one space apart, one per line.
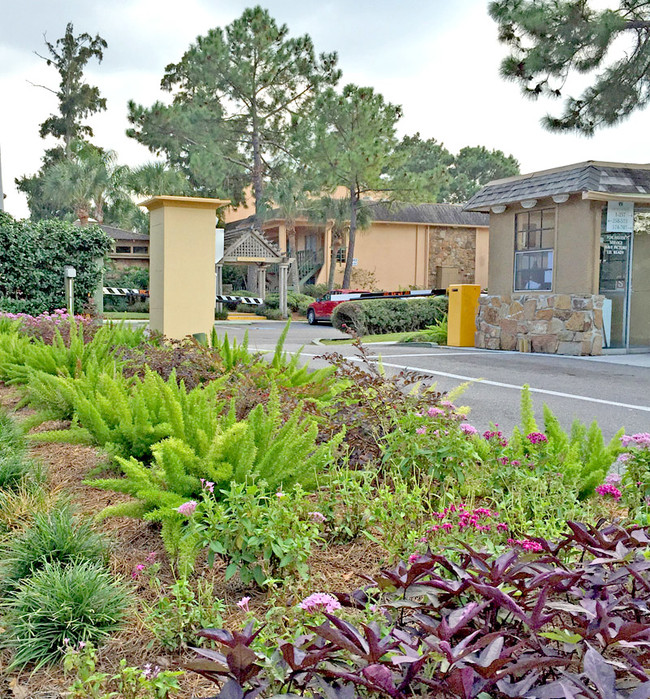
55 536
581 456
61 606
265 446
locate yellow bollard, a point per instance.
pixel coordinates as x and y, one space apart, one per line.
461 319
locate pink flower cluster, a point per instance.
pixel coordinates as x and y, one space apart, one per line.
319 602
468 429
641 439
608 489
527 545
481 519
536 438
317 516
208 485
495 435
187 508
243 603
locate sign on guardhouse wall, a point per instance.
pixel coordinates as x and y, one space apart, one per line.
620 217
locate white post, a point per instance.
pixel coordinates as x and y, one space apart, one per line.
218 269
261 281
283 284
69 273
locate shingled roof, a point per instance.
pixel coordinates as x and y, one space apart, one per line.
591 176
432 214
121 234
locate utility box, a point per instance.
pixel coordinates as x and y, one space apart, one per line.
461 318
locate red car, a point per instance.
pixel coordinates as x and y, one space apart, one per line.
323 308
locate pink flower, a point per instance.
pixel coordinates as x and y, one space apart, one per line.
414 558
187 508
434 412
319 602
151 557
243 603
317 516
641 439
137 570
468 429
612 478
526 544
608 489
536 438
622 458
421 430
279 494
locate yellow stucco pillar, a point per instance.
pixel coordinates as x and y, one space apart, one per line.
181 264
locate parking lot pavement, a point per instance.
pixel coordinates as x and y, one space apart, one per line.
614 391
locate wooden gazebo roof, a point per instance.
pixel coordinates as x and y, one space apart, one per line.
247 245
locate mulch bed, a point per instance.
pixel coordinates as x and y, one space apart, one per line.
331 568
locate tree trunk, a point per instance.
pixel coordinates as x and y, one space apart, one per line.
333 255
257 172
295 275
347 275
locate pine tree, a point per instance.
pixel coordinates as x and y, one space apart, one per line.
551 40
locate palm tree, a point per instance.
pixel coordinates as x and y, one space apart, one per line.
154 179
289 195
86 182
335 213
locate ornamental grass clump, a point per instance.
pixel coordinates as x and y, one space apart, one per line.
59 605
58 537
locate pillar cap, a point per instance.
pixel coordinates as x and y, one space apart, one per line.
186 202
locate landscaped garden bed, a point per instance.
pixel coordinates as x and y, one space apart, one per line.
377 542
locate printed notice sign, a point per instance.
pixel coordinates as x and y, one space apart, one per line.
620 217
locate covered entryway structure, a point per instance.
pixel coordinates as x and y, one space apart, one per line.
569 260
248 246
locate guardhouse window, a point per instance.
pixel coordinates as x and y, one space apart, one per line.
534 245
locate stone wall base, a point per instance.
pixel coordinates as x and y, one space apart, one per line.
570 324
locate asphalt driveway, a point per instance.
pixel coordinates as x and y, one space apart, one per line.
614 391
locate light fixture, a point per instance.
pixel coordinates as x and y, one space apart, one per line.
528 203
560 198
498 208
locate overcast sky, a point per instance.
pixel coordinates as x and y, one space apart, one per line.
439 59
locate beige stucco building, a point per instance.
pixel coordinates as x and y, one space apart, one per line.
415 245
569 260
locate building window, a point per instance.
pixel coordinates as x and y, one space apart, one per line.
534 244
341 254
140 250
123 248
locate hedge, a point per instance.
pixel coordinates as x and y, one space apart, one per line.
381 316
32 257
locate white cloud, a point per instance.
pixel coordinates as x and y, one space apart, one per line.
438 59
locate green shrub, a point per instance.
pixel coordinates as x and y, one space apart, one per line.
316 291
62 605
270 313
32 257
57 536
380 316
267 445
179 613
263 537
297 303
432 333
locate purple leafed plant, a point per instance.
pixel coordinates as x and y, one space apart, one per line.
521 624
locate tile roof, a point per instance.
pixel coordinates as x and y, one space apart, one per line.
609 178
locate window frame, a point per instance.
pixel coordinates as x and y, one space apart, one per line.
551 212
